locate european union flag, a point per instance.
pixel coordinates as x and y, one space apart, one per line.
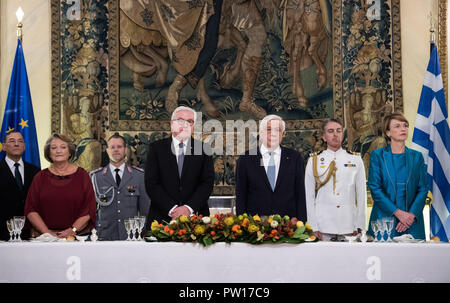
19 111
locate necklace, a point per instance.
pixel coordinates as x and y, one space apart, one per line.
60 172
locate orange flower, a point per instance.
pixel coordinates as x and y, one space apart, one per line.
213 233
181 232
235 228
245 222
274 232
171 232
166 229
290 234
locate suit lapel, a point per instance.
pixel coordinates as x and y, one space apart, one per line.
172 157
284 164
259 163
187 158
409 162
389 164
10 174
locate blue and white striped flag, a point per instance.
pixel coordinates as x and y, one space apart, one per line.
432 138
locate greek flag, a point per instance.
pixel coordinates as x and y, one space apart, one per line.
432 138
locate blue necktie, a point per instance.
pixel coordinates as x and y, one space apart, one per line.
271 171
180 159
18 176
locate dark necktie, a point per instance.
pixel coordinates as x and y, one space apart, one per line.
180 158
18 176
117 176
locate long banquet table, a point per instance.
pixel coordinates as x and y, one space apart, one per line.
237 262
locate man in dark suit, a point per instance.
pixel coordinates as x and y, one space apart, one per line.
15 180
270 178
179 171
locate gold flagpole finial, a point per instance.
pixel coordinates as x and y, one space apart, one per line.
19 15
432 28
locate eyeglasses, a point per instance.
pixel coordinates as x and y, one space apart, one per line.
12 141
182 121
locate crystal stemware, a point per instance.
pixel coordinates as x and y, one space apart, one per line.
141 221
10 226
389 225
128 227
19 222
382 228
134 227
375 228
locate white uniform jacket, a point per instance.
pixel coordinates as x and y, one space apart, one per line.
343 209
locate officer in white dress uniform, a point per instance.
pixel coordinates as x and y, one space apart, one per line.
335 185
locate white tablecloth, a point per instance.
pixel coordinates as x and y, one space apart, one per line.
221 262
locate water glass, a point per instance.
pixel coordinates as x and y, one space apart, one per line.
19 222
375 228
388 223
383 229
141 225
128 228
10 226
134 227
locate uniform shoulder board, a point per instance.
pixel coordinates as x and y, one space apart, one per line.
138 168
354 153
95 171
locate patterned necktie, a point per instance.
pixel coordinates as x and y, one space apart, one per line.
180 158
271 171
117 176
18 176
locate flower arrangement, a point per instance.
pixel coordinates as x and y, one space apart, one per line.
207 230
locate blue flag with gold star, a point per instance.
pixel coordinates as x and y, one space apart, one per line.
19 110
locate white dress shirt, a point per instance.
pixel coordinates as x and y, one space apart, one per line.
266 157
112 168
176 145
13 168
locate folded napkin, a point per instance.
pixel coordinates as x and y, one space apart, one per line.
406 238
46 238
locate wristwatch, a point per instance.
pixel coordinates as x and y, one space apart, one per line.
74 229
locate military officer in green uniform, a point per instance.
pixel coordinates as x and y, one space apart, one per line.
120 192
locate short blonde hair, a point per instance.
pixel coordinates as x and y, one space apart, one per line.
71 145
393 116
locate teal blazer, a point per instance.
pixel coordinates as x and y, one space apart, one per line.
382 182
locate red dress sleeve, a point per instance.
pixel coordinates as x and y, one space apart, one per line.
31 203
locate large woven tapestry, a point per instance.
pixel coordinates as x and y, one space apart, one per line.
123 66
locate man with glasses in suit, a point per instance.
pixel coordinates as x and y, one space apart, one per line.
15 180
179 171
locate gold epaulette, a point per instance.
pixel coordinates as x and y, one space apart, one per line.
354 153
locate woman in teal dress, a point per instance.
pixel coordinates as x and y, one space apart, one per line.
398 181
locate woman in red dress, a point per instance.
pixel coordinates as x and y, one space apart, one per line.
61 199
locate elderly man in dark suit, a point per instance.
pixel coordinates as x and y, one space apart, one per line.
179 171
15 180
270 178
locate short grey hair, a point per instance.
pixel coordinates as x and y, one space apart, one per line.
180 108
263 123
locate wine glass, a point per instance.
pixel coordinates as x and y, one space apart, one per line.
376 228
10 226
134 227
128 227
141 225
382 228
19 222
389 225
